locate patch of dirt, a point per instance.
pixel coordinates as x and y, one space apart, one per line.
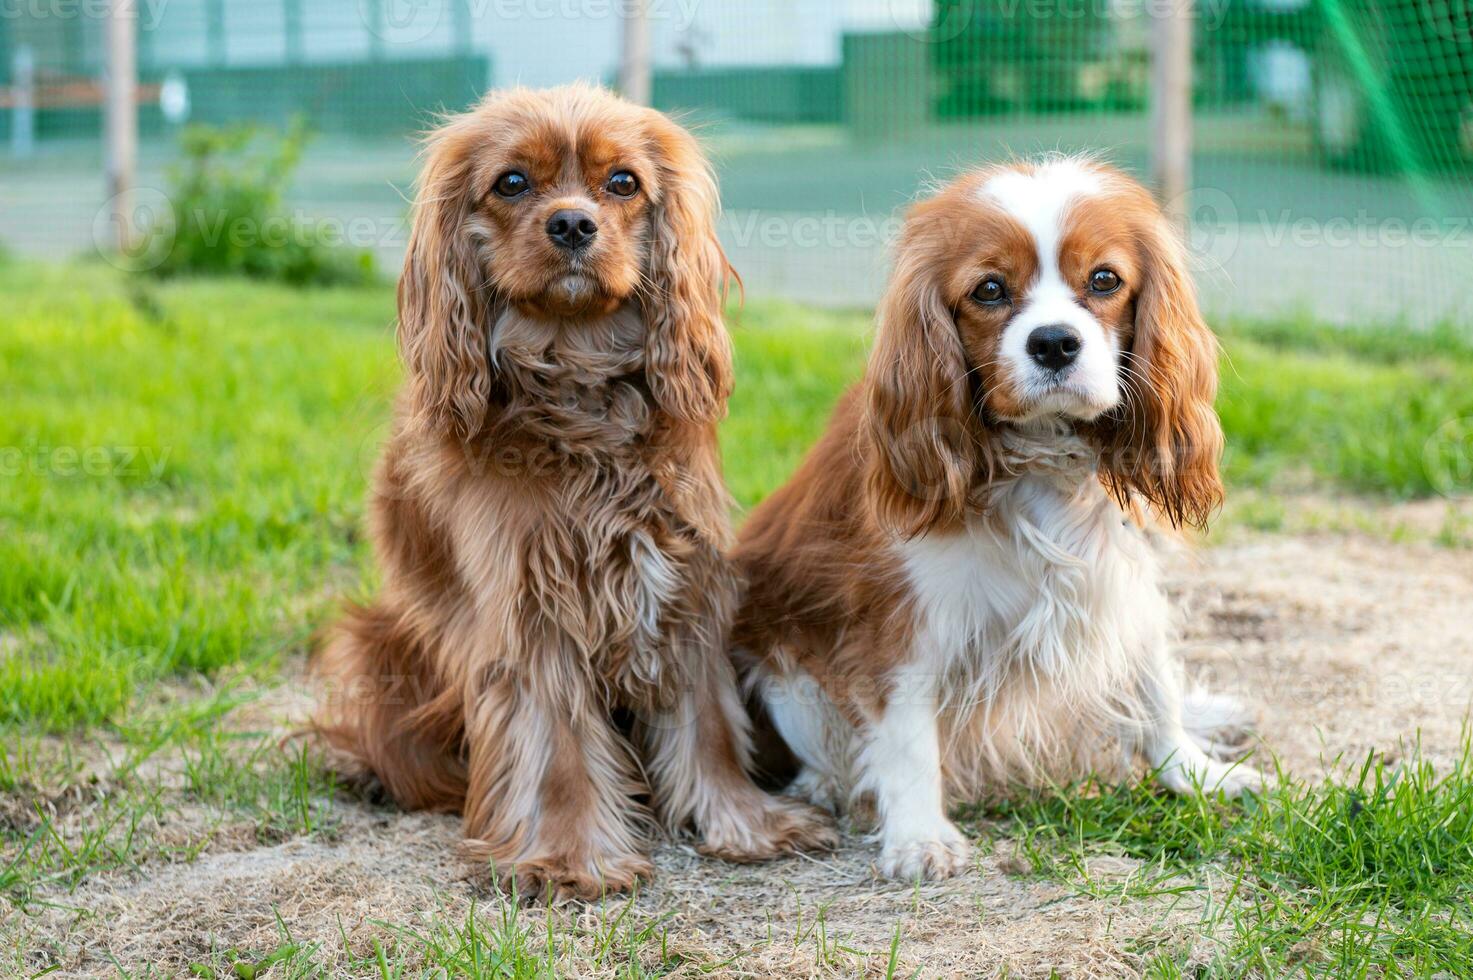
1346 645
794 918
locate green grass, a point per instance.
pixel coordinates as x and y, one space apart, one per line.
182 471
1371 873
1300 409
183 466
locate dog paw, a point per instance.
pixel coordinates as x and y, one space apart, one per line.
554 879
945 855
1211 776
767 828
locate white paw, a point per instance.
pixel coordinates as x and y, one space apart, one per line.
943 855
1204 775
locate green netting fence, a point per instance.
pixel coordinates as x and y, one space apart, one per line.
1331 152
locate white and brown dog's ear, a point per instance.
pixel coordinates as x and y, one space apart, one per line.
1167 442
925 440
688 350
444 294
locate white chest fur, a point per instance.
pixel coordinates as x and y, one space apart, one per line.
1052 583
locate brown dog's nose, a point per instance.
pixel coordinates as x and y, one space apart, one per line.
571 229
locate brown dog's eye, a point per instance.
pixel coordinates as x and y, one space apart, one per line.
623 184
991 292
1104 281
513 183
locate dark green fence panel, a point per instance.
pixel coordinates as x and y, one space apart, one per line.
362 97
775 95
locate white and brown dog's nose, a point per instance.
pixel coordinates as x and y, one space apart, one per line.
571 228
1053 347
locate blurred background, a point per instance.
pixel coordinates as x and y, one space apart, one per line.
187 433
1324 171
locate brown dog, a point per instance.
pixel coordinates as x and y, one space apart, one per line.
549 512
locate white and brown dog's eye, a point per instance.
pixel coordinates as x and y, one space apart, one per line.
513 183
1104 282
990 292
623 184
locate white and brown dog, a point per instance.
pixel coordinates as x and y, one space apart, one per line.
957 589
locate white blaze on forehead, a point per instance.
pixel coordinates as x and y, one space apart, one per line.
1039 199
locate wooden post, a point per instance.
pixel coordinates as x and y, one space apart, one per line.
121 116
291 16
23 113
465 27
1171 104
215 31
634 61
376 28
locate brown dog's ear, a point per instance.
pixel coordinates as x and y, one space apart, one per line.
1166 442
688 352
924 440
444 296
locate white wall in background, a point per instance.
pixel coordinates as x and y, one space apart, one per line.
544 42
1283 76
773 32
534 42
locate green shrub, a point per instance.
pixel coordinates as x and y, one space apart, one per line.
225 214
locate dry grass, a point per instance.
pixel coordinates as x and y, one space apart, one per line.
281 870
